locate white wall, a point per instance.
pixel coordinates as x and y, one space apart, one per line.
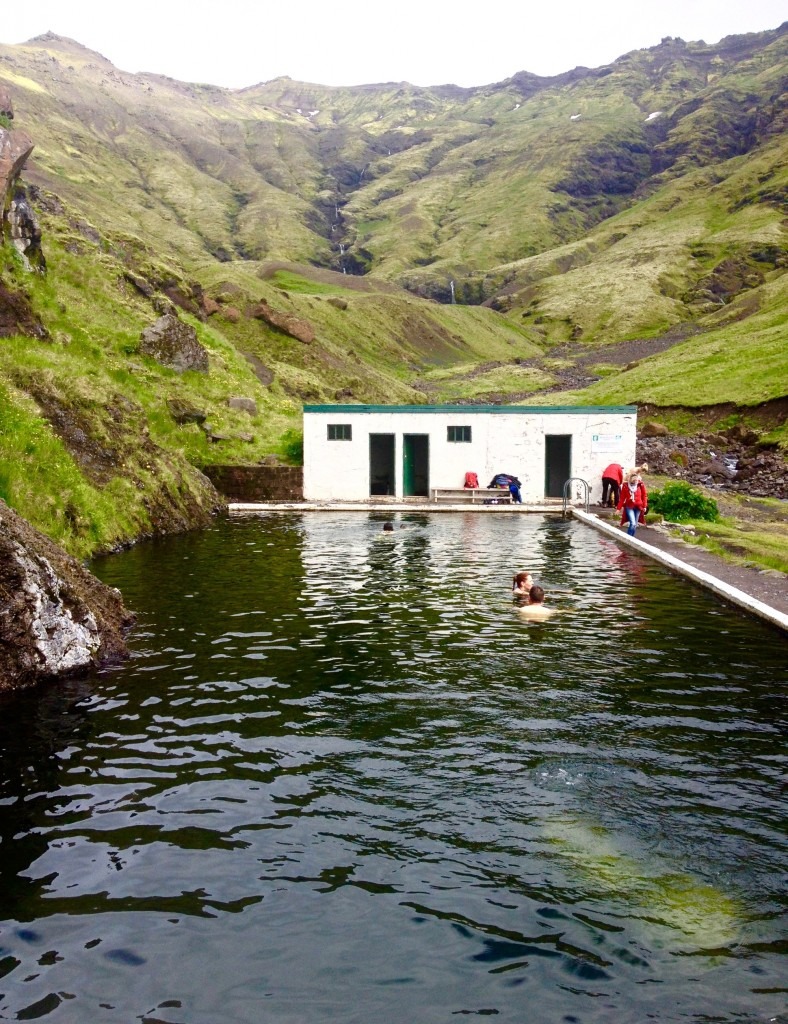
502 442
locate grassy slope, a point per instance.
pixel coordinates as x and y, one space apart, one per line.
193 183
750 531
108 462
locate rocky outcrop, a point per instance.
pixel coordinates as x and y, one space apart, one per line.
263 373
294 326
17 316
56 618
174 344
15 147
184 413
719 461
18 221
23 229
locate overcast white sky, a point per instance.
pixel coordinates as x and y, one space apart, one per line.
237 43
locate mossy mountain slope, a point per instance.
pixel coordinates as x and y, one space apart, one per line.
390 177
625 202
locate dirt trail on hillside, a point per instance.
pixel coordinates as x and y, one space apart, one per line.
578 375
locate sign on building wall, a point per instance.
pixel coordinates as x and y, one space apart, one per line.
607 443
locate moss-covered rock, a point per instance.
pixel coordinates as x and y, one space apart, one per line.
174 343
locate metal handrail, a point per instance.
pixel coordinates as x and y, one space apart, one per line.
567 484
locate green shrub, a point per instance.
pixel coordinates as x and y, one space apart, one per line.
679 502
292 447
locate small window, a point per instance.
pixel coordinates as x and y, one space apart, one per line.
340 432
458 434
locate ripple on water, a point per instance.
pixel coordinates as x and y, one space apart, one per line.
344 780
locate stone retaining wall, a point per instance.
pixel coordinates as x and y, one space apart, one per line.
258 483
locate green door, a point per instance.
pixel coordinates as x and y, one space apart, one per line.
416 465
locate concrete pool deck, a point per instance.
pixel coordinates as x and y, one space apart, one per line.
760 592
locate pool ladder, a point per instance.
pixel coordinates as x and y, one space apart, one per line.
568 484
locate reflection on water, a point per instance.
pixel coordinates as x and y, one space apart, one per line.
342 780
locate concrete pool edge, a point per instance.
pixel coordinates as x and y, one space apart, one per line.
705 579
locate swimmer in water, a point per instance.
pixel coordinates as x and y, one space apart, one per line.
535 610
521 584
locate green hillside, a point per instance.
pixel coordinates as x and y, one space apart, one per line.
639 206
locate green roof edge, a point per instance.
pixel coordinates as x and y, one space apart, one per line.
474 409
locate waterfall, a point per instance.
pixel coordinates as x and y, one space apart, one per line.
453 300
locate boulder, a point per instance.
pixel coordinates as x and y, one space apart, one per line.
231 314
742 434
337 302
17 315
209 305
56 618
717 470
243 405
174 344
184 413
227 291
142 286
654 429
294 326
163 306
263 373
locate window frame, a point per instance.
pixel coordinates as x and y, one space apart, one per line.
339 431
462 434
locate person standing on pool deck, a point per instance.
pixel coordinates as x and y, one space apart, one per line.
612 479
632 502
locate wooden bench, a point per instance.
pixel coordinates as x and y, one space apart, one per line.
471 495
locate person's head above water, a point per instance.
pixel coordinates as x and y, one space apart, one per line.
388 527
522 581
535 595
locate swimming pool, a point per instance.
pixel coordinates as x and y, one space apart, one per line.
341 780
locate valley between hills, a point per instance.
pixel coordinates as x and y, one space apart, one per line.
609 235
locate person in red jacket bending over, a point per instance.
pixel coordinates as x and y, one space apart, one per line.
612 479
632 502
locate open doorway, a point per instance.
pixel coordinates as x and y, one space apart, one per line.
416 465
557 463
381 464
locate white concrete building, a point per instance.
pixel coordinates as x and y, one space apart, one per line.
353 452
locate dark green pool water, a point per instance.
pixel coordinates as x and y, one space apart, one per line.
342 780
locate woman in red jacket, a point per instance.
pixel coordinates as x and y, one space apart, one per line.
632 502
